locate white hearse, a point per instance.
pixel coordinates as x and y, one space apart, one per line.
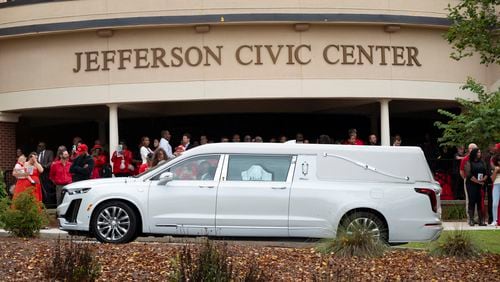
267 190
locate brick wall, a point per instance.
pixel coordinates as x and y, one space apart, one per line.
7 145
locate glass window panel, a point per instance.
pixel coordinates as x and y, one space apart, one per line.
199 168
258 167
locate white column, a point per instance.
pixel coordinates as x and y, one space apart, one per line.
113 128
385 127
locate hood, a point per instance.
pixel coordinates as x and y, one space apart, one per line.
98 182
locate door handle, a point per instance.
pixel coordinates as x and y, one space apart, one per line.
206 186
279 188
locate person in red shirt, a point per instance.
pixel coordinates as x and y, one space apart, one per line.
122 161
464 160
353 138
76 142
59 174
148 164
99 161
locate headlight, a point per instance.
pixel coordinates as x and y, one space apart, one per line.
76 191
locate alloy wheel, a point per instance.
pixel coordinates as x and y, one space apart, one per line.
113 223
364 224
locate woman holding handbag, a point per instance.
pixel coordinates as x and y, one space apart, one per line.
476 174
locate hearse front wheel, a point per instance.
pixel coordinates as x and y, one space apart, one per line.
365 222
114 222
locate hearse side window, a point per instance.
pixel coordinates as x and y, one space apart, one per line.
198 168
258 167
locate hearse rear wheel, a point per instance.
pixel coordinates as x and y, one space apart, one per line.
114 222
366 222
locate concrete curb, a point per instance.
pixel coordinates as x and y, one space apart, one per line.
54 233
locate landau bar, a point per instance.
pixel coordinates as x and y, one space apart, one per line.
194 56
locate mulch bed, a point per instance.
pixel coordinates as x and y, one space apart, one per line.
24 260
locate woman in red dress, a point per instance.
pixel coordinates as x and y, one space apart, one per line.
28 176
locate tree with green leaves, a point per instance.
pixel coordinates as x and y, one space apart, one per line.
475 28
479 121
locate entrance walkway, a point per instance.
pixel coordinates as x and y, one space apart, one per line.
462 225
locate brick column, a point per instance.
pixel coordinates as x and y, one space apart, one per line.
8 140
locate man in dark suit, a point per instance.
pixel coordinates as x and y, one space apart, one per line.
185 144
186 141
45 158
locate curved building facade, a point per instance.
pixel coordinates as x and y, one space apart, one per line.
108 61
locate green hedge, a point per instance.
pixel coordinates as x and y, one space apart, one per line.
453 212
3 191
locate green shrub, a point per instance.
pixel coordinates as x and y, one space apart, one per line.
357 242
457 243
211 263
208 264
4 205
23 216
72 262
3 191
453 212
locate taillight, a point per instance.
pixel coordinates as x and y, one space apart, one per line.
432 196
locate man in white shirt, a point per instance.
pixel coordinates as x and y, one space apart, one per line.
165 138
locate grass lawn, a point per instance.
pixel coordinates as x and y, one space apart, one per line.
487 240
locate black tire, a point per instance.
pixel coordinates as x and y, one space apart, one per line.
372 221
114 222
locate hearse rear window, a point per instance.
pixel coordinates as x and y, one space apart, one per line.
258 167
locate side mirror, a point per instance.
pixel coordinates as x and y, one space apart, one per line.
165 177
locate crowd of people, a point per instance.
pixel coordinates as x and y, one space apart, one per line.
481 177
47 173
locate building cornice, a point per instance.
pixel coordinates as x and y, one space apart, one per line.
257 18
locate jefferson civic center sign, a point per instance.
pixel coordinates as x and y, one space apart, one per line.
194 56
